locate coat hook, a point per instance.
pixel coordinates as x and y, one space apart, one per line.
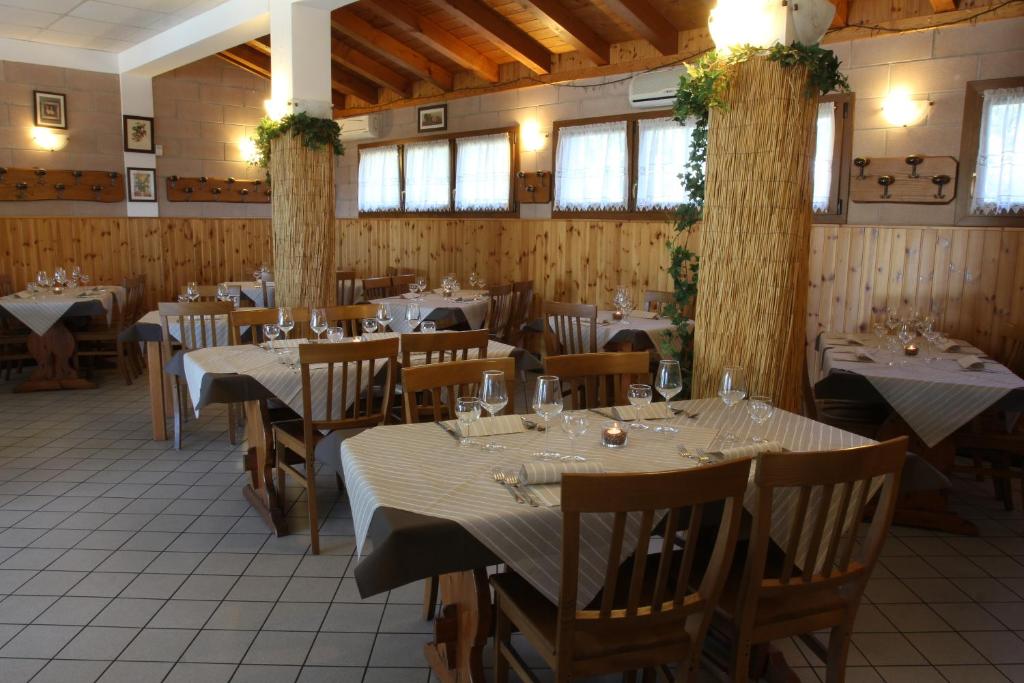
244 192
231 181
939 181
914 160
203 179
113 177
216 192
3 172
885 181
173 180
188 192
521 174
40 174
60 190
77 175
22 187
96 189
861 162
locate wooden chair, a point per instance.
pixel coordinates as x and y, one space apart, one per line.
101 339
376 288
499 310
268 294
598 380
348 408
655 301
569 328
649 619
196 323
400 284
253 320
398 270
860 417
817 580
13 335
522 300
350 317
346 283
439 347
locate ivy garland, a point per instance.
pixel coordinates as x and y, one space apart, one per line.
701 88
315 133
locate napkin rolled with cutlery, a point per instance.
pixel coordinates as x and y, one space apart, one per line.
748 451
534 473
971 363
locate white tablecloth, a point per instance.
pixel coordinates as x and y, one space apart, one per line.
935 398
40 312
426 472
474 310
253 291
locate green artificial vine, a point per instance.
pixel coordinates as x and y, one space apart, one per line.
316 133
702 88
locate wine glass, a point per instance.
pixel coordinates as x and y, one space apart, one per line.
421 284
384 316
931 335
467 410
285 321
271 332
547 403
223 293
760 409
493 396
668 383
414 289
626 304
732 389
481 286
892 319
335 334
84 279
369 326
428 326
412 314
878 327
574 425
43 280
318 321
473 279
639 395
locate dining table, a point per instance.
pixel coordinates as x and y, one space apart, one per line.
641 331
433 507
465 309
930 396
50 318
252 290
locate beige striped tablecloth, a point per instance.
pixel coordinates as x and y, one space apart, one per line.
935 397
40 312
426 472
221 325
475 310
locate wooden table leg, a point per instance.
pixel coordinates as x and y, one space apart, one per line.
462 628
259 460
157 391
53 352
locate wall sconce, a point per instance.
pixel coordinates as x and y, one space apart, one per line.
532 137
278 109
902 109
49 139
247 148
762 23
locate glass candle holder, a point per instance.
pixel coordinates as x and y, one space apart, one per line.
910 349
614 434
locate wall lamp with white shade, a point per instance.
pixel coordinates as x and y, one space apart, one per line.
49 139
902 109
762 23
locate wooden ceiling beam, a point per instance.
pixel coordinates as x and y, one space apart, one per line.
261 45
842 17
647 21
251 60
943 5
350 24
500 31
348 83
573 30
369 68
397 12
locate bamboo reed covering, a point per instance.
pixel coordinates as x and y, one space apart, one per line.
303 223
752 300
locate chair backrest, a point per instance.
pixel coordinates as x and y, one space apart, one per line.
400 283
569 328
360 368
655 300
196 323
598 380
819 555
254 319
1013 348
268 294
6 285
499 310
350 317
206 292
522 300
346 283
669 617
398 270
376 287
441 347
442 383
131 310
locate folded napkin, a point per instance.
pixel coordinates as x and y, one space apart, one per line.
949 346
410 295
652 411
858 356
696 438
970 362
545 472
748 451
492 426
645 315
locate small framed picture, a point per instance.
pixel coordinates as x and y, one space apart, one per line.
50 109
141 184
138 134
431 118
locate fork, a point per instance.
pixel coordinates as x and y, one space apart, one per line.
499 476
512 479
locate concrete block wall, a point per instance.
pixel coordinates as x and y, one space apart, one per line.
94 131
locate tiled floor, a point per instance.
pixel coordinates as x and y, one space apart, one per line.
123 560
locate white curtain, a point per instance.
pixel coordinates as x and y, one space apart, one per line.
483 166
824 145
590 167
664 150
378 179
427 174
999 175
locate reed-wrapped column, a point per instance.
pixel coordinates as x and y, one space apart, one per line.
303 222
755 232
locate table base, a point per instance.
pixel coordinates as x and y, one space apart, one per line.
53 352
462 627
259 462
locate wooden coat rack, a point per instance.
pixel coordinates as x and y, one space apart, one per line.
913 179
224 190
39 184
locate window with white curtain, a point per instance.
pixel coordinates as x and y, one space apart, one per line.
824 149
592 167
663 149
427 176
483 168
999 171
378 179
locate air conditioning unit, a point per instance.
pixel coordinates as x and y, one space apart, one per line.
365 127
654 89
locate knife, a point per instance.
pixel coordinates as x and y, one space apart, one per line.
449 431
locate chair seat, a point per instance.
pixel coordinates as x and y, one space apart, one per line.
292 435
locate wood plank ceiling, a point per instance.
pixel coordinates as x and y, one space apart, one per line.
387 53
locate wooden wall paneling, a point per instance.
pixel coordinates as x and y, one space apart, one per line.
988 278
814 284
955 287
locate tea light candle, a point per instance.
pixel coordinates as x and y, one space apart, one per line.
616 315
613 434
910 349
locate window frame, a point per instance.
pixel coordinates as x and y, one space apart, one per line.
842 158
970 141
401 212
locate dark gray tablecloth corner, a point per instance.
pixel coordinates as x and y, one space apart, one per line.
142 332
526 361
921 475
408 547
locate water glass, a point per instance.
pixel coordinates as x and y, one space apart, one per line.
271 333
732 389
369 326
547 403
639 395
421 284
760 409
384 316
574 425
414 289
493 392
285 321
467 410
428 326
335 334
879 329
668 383
318 321
412 313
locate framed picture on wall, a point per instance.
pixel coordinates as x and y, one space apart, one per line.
432 118
141 184
138 134
50 109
